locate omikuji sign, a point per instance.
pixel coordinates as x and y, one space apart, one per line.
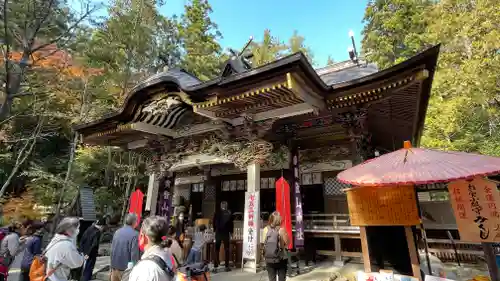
250 231
476 204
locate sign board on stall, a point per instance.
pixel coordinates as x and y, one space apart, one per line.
250 232
476 204
388 205
386 275
435 278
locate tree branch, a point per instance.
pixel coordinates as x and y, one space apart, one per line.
22 156
68 31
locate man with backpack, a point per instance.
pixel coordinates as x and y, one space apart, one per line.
275 245
156 264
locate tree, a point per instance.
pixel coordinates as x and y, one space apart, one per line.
464 112
134 42
393 30
296 44
269 50
28 26
202 54
330 61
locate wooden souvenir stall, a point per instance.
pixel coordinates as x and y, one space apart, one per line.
385 206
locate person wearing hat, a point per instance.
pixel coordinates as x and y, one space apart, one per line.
89 245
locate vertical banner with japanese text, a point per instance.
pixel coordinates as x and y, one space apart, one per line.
299 223
165 196
475 204
250 231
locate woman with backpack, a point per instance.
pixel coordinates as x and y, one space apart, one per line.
275 245
12 244
33 248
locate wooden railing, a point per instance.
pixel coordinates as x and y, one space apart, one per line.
325 223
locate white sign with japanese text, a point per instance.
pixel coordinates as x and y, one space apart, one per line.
476 204
251 222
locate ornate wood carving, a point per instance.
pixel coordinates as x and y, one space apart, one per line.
323 154
355 123
252 130
241 153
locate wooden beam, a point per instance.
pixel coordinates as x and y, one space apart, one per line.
137 144
307 96
415 265
280 113
198 160
194 130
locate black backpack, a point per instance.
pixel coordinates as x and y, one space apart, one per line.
168 268
273 252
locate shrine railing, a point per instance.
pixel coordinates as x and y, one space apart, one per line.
328 223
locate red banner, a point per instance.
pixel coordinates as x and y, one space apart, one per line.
136 204
283 207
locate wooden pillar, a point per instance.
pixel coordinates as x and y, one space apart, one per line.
253 185
489 254
364 248
415 265
152 195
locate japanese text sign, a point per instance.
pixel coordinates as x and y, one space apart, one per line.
251 229
476 204
378 206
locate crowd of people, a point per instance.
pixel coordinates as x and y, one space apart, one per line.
155 252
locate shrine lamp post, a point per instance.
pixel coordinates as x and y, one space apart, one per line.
353 53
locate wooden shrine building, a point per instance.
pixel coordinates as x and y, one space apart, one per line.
217 139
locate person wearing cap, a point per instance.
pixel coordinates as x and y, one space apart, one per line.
89 245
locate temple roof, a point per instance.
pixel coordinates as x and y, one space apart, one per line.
345 71
282 89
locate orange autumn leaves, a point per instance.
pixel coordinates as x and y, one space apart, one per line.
54 59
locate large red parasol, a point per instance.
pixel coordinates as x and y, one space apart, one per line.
411 165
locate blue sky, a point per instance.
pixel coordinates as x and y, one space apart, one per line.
325 24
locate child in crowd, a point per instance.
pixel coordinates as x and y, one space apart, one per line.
199 239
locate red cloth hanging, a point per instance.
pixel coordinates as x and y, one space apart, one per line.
136 204
283 207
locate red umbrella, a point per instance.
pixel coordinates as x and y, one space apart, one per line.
411 165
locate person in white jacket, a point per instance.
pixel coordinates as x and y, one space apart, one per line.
62 253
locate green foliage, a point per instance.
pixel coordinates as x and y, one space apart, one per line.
330 61
199 35
464 108
296 44
269 50
393 30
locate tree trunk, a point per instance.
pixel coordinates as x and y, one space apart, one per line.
23 155
66 179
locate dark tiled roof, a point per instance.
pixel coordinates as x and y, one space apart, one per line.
345 71
182 77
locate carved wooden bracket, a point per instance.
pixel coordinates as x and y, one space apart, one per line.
355 123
